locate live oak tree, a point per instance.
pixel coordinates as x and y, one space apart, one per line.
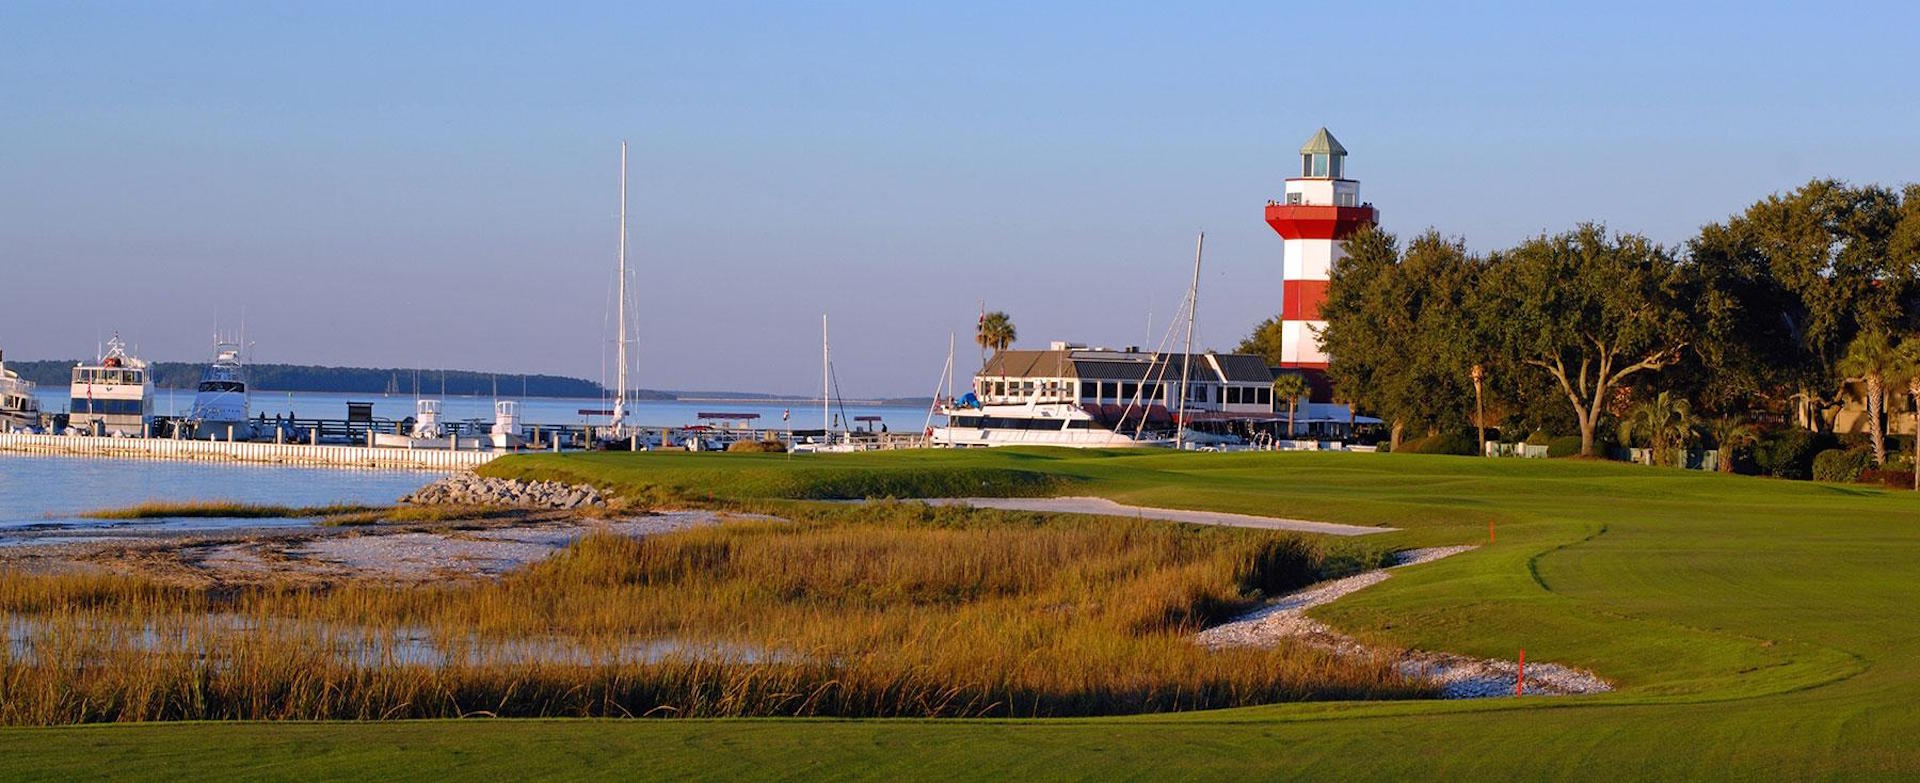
1264 342
1400 334
1589 310
1787 284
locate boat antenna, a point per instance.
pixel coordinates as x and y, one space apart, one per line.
1186 359
620 350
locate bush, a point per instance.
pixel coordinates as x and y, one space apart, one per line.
1445 442
1841 465
1539 438
1788 453
1563 446
1893 477
772 446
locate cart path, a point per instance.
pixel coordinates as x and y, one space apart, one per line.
1105 507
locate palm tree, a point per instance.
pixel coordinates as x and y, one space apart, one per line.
1908 367
1666 422
1290 387
1479 374
1871 359
996 331
1730 433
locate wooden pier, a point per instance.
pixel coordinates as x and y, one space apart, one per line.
272 453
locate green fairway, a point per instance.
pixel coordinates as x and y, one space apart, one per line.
1755 628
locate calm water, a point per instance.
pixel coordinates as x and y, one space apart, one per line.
39 491
533 410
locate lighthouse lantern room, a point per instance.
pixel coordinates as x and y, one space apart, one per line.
1319 210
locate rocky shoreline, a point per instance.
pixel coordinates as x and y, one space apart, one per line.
467 489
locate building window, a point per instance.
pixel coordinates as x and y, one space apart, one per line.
1306 165
1343 199
1339 166
1128 390
1264 396
1319 166
1293 198
1110 391
1089 390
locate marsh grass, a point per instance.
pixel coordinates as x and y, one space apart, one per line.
419 514
222 509
893 609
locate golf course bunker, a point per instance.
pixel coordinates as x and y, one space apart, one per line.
1108 508
1458 676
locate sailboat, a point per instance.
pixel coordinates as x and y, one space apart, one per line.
618 428
827 421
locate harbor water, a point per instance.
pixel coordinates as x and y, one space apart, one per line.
45 494
537 410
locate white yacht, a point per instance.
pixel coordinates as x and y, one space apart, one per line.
428 432
1080 397
113 395
221 410
19 409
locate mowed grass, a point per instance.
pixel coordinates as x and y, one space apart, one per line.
1757 629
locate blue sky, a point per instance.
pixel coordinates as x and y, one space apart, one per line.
434 184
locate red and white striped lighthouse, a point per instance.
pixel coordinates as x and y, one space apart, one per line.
1320 210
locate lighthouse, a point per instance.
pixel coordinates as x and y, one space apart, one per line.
1320 209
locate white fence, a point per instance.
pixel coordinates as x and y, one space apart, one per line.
282 453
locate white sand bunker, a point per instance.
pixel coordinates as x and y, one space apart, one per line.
1458 676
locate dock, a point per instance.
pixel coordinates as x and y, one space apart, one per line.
270 453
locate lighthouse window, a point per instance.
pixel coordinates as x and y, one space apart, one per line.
1343 199
1339 166
1319 166
1293 198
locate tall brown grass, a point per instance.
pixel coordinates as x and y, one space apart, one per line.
895 610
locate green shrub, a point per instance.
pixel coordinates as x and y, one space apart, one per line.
1788 452
1459 442
1563 446
1841 465
1539 438
772 446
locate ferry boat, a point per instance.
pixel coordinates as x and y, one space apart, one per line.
19 409
112 396
1075 396
221 408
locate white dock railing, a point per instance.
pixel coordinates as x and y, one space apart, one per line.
283 453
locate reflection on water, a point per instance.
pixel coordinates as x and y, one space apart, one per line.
39 491
206 635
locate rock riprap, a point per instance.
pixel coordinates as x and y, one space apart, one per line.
467 489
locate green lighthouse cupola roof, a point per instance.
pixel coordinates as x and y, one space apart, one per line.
1322 156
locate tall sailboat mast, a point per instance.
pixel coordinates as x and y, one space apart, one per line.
826 390
620 351
1186 362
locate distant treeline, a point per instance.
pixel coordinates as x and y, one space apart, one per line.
349 380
